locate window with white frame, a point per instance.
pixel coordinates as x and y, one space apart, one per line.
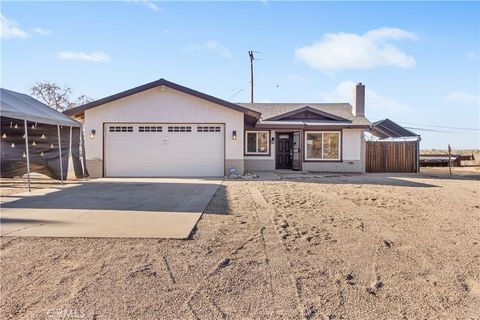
322 145
209 129
149 129
179 129
120 129
257 142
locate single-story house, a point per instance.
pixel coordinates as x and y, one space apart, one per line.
165 129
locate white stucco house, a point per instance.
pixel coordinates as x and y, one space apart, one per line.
162 129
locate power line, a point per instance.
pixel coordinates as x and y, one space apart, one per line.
235 94
435 126
437 131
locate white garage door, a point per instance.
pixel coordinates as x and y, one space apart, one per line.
164 150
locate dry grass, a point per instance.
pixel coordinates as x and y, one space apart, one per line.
313 247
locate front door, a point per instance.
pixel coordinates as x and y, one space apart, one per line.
284 151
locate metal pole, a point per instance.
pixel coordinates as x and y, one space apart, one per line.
60 154
28 155
70 151
250 54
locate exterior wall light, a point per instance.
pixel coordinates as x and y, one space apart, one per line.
234 135
92 134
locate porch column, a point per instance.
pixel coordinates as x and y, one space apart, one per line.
27 154
60 154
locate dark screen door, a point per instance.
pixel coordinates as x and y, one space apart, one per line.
296 151
284 151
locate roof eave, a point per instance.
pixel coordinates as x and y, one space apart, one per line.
310 127
158 83
306 108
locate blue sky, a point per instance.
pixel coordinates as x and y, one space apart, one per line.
420 61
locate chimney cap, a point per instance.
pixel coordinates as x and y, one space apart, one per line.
359 83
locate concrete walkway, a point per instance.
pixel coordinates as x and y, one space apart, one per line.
120 207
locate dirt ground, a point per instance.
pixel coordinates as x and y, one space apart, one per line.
11 186
323 246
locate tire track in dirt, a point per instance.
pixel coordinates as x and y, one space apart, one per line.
286 294
268 266
169 270
218 268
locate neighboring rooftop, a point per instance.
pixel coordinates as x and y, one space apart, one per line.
386 128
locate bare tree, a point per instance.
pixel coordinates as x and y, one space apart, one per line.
57 97
83 99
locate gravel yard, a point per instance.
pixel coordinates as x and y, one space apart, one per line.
324 246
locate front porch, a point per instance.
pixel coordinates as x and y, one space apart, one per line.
340 150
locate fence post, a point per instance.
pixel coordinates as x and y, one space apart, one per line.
449 159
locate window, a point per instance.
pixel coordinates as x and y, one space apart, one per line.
257 142
149 129
209 129
179 129
120 129
322 145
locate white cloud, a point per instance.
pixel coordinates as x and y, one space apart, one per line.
373 100
42 31
147 3
472 55
10 29
91 57
212 46
463 98
337 51
389 33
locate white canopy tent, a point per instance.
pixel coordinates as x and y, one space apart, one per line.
16 108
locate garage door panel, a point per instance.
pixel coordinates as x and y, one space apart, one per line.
183 152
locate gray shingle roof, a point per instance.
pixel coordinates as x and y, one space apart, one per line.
343 110
386 128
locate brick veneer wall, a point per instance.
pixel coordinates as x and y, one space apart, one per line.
259 164
344 166
95 168
235 163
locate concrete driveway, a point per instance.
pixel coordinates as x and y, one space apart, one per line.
120 207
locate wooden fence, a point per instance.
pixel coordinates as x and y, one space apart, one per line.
391 156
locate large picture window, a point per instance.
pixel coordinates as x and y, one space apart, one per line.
256 142
322 145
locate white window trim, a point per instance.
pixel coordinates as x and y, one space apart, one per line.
322 159
256 142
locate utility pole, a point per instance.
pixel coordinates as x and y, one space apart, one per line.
250 54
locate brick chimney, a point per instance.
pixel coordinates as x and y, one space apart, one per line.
358 109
